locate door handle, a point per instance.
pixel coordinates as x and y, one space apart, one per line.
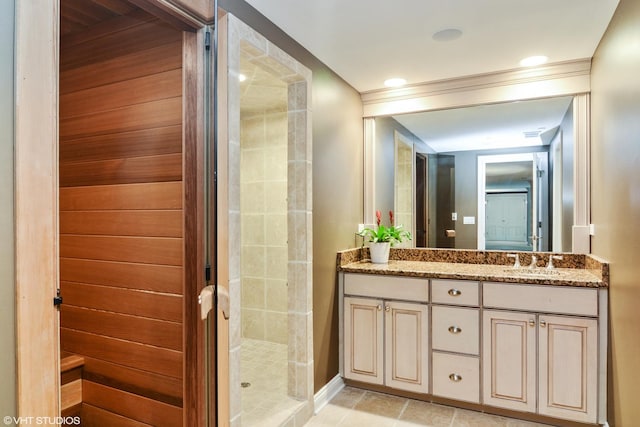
205 299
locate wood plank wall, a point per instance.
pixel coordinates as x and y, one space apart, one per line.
121 218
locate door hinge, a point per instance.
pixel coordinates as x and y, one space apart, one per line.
207 40
57 300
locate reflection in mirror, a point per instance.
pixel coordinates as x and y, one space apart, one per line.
446 188
404 185
513 209
508 204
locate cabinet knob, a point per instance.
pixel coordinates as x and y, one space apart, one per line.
543 324
387 308
455 378
379 307
455 292
455 329
532 323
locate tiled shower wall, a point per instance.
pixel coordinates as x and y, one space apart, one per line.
263 212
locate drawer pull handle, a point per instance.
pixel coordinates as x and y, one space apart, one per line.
532 323
455 292
455 378
455 329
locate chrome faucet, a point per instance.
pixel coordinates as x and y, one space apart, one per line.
551 258
516 264
534 261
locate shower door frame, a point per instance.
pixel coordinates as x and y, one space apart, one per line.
233 34
37 213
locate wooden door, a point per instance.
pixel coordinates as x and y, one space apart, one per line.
568 349
509 360
406 346
363 340
106 124
131 214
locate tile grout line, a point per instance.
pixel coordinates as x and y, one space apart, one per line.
351 408
404 408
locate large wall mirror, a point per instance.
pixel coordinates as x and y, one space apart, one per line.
492 176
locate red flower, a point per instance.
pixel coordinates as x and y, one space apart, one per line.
391 217
378 217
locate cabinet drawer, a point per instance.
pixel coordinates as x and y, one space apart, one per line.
388 287
456 329
456 377
548 299
456 292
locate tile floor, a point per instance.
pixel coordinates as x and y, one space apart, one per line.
353 407
265 402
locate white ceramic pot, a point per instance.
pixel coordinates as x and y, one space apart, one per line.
379 252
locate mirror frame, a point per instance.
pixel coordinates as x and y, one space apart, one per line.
563 79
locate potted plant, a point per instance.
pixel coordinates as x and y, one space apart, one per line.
383 237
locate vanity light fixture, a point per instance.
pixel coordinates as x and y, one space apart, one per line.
395 82
532 61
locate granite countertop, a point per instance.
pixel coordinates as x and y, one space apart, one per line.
587 271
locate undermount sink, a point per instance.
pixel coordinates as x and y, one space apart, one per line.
525 271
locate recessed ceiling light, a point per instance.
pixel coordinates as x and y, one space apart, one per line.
532 61
395 82
242 77
447 35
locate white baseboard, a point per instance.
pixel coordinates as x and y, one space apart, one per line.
326 393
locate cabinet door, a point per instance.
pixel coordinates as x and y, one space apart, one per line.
509 360
363 340
568 349
406 346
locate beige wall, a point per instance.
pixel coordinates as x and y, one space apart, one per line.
337 182
337 206
7 293
263 211
615 199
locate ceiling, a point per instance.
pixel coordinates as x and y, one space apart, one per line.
369 41
78 15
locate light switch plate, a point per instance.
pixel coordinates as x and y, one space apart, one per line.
469 220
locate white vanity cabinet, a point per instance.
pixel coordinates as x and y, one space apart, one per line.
533 348
536 361
386 340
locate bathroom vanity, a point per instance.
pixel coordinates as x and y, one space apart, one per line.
467 328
